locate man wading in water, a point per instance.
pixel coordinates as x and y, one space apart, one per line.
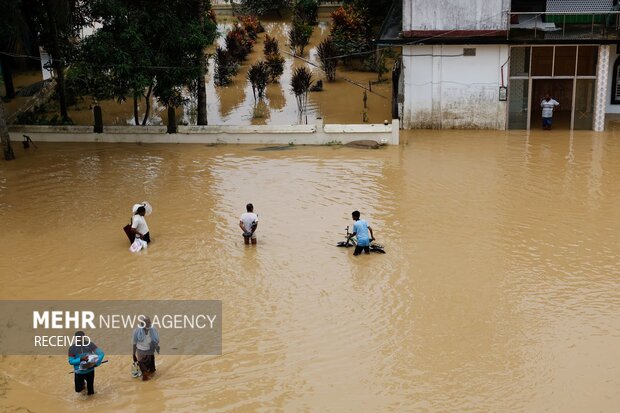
360 230
145 344
248 224
84 359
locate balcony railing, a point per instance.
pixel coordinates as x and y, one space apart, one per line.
564 26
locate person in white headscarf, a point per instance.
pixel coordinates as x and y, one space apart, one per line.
145 344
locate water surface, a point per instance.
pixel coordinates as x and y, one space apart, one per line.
499 291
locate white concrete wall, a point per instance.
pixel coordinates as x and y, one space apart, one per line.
613 56
443 91
262 134
455 14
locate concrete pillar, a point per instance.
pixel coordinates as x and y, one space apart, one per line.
602 84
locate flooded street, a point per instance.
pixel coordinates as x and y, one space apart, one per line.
500 289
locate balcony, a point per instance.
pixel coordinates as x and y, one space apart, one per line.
543 27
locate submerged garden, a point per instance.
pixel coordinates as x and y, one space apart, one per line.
194 63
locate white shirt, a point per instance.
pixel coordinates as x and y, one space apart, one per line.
248 219
139 224
145 345
547 107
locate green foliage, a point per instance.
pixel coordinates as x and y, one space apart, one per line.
143 43
238 43
299 36
271 45
300 85
306 11
258 75
275 62
351 30
375 62
377 9
225 67
261 7
252 26
327 53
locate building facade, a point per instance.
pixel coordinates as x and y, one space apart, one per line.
487 64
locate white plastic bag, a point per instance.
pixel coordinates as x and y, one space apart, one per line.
138 245
135 370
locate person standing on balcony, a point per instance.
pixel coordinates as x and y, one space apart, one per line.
548 105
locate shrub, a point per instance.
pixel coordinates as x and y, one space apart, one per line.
239 43
299 36
275 62
252 26
271 46
258 75
351 30
300 85
225 67
306 11
327 53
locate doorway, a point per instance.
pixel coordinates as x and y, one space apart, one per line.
560 90
567 72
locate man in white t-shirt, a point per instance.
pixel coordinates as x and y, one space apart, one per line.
548 105
248 224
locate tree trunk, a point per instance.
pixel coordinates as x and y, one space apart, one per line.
7 76
57 63
202 88
136 115
147 99
4 135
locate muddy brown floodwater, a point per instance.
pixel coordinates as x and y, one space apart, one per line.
500 289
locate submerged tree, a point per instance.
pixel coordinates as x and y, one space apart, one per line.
225 67
58 24
205 13
258 75
238 43
327 52
351 30
271 45
274 59
299 36
275 62
144 47
300 84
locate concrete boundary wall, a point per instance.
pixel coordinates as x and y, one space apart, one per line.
259 134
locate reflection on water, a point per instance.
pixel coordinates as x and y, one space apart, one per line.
499 291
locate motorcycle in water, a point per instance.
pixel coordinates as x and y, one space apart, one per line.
352 242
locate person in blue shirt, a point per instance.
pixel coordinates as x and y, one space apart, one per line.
82 357
361 230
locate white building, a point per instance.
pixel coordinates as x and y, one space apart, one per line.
486 64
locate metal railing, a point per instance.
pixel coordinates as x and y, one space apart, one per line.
564 25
